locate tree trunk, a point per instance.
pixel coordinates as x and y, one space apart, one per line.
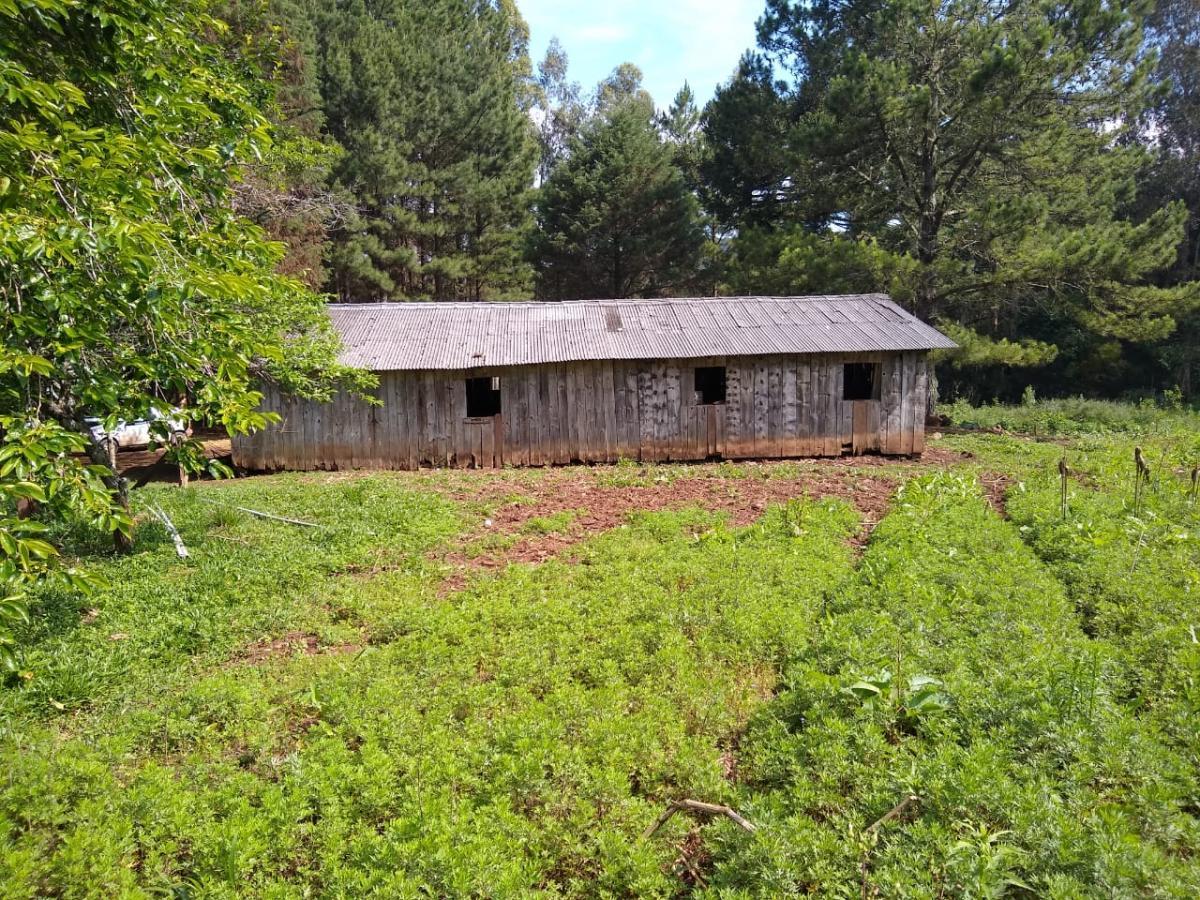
104 453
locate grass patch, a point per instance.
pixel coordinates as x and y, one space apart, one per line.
306 711
994 708
553 524
1073 416
519 735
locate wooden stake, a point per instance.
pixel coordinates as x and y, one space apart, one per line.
1063 471
1141 478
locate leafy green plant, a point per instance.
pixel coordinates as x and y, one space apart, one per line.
41 475
908 703
985 866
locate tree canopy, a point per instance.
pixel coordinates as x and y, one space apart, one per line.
430 104
128 282
615 218
983 146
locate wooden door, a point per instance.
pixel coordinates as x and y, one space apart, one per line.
714 429
865 418
486 439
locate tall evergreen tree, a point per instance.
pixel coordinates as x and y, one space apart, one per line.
288 191
680 125
750 170
430 102
980 139
616 217
1171 128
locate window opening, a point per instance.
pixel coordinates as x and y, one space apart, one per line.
860 381
710 385
483 397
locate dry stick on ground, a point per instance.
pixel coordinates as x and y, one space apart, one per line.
698 806
180 548
892 813
864 867
271 516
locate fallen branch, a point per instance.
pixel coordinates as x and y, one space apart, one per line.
892 813
263 515
271 516
180 548
698 806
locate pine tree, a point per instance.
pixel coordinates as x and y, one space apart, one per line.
286 192
1171 128
751 167
616 218
430 102
983 141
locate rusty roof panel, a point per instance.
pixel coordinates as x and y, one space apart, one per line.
394 336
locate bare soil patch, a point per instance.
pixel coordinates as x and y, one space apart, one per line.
595 504
995 486
294 643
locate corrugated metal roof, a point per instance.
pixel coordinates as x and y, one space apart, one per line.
394 336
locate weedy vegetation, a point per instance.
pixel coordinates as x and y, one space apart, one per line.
986 700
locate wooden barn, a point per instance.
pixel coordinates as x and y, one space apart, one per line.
495 384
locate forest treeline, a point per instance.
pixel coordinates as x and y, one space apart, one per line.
1025 174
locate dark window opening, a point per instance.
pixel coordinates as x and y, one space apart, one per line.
710 385
860 381
483 397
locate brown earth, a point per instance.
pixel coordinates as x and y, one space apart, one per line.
995 486
294 643
594 503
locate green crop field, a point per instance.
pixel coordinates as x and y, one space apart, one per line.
911 678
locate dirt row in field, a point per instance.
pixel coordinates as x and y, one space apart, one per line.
591 503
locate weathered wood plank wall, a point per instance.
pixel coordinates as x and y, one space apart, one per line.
776 406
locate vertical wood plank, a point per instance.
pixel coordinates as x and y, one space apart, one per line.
608 403
872 442
746 403
775 430
762 427
733 407
545 452
832 431
673 410
859 427
893 403
570 412
790 436
920 401
906 406
406 385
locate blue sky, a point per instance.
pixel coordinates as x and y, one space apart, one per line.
671 41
